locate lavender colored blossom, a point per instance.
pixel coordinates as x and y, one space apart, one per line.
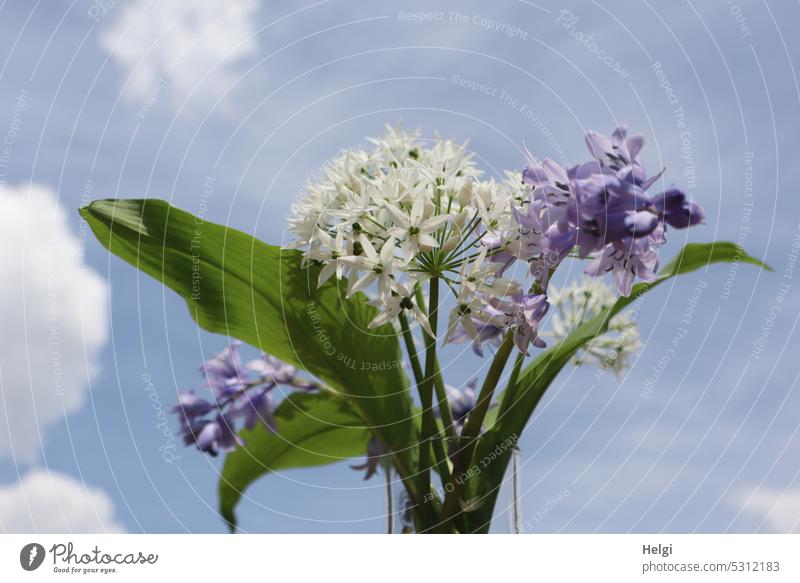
522 315
217 435
677 210
616 151
601 207
628 259
273 370
606 209
240 394
461 402
487 332
223 371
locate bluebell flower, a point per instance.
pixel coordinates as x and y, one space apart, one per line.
213 436
678 211
461 402
522 314
190 406
628 259
602 207
273 370
257 408
241 395
487 332
616 151
223 371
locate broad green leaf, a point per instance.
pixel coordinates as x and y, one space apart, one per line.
313 430
236 285
517 404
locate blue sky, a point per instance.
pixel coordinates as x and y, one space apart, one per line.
140 100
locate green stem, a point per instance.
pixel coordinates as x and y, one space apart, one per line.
426 401
441 393
441 457
472 430
387 469
444 405
516 520
410 348
510 392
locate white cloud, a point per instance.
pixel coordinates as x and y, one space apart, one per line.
55 503
53 319
170 46
780 509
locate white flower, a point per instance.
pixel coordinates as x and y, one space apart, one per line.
376 267
424 207
329 251
400 299
579 302
414 229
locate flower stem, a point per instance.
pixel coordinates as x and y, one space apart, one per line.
410 349
471 430
387 470
441 457
426 401
515 501
441 393
509 396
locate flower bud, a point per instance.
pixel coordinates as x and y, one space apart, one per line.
465 193
451 243
485 192
461 219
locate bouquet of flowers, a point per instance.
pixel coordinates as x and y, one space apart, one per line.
408 244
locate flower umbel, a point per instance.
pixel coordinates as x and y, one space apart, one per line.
581 301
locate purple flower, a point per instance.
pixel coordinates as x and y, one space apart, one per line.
601 206
522 315
375 453
550 181
272 369
211 436
223 371
677 211
240 395
628 259
257 408
607 209
556 245
461 402
190 406
487 332
616 151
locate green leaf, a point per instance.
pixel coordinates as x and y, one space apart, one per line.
236 285
313 430
518 404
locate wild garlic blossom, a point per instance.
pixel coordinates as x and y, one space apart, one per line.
581 301
392 217
238 393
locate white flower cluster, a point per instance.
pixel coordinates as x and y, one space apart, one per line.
404 211
581 301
